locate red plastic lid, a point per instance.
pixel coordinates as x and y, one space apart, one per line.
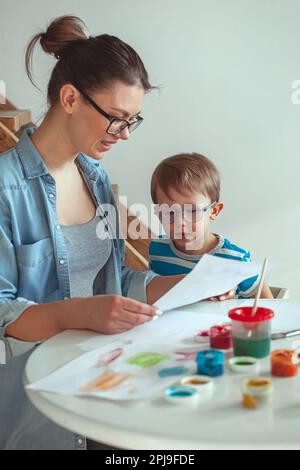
217 330
244 314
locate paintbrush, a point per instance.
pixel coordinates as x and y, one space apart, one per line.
262 278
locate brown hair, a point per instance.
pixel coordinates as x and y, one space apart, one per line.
89 63
187 172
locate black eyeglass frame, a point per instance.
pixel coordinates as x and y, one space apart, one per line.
112 119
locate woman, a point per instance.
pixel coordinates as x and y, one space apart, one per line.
55 273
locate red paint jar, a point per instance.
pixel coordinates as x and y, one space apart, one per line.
220 336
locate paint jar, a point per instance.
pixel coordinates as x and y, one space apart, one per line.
284 363
202 337
257 392
181 395
210 362
251 334
220 336
203 384
244 364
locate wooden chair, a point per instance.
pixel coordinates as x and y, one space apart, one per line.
136 254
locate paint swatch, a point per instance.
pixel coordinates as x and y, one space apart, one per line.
169 371
146 359
107 381
109 357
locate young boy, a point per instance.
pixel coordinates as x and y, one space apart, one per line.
185 189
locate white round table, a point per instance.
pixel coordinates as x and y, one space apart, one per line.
220 423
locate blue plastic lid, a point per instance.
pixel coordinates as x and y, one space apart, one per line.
213 356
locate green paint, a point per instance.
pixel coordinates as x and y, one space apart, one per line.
146 359
256 347
243 363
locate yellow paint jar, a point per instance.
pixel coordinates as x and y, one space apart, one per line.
257 392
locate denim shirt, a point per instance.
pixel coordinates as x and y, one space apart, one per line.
34 263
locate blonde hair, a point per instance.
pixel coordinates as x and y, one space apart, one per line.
191 172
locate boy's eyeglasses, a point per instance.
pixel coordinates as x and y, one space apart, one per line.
115 125
189 212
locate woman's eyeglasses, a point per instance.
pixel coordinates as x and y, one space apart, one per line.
115 125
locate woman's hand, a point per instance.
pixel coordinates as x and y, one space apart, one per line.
111 314
107 314
228 295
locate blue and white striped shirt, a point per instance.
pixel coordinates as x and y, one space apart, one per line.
167 260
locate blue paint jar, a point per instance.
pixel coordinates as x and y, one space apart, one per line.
210 362
181 395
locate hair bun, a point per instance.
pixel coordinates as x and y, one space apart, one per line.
61 32
88 62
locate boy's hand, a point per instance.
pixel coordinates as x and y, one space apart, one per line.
228 295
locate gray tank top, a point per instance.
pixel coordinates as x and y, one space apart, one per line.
87 255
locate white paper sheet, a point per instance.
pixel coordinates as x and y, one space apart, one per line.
139 382
153 340
211 276
176 325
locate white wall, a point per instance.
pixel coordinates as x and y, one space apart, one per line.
225 69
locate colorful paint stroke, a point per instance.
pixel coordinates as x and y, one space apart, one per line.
106 382
187 355
146 359
170 371
109 357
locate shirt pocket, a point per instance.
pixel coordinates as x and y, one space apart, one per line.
37 270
